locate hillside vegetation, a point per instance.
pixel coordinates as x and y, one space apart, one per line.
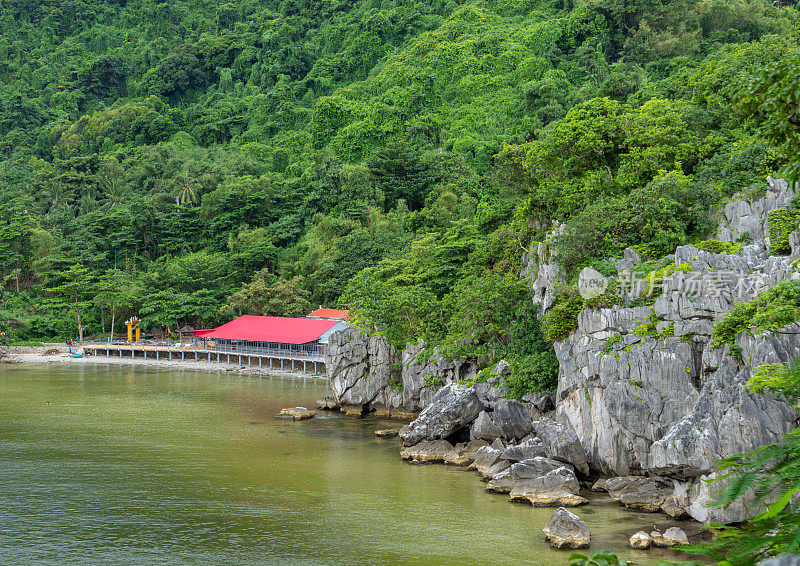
190 161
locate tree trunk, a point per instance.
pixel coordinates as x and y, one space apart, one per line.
113 314
78 316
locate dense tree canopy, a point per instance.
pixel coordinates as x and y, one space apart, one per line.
394 157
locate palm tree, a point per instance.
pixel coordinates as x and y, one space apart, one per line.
185 192
86 205
55 197
114 194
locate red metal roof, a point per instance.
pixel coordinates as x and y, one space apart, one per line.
271 329
330 313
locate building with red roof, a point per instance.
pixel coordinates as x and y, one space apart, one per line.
273 335
333 314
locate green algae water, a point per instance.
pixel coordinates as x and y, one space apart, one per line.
131 465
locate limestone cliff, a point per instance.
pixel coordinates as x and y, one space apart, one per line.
640 388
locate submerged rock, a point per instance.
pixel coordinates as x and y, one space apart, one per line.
386 432
427 452
671 537
567 530
640 540
297 413
452 408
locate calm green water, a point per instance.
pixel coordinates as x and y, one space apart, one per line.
130 465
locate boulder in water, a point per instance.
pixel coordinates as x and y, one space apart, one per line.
567 530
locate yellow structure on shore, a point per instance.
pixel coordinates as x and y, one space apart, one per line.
133 324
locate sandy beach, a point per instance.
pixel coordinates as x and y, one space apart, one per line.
57 354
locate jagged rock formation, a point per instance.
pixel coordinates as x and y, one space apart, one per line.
367 374
642 395
453 408
543 271
646 393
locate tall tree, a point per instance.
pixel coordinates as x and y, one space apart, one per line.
73 293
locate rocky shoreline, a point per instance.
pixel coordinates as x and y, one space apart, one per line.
645 403
540 463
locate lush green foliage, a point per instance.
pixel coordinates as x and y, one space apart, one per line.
562 318
773 94
717 247
782 222
202 160
772 310
600 558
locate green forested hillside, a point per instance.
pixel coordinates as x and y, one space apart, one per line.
190 161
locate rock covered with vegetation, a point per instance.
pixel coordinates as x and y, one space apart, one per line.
658 388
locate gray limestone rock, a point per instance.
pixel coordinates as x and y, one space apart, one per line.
513 418
727 418
530 469
485 457
567 530
783 560
556 487
640 540
498 467
427 451
451 409
494 388
671 537
524 451
632 256
561 443
483 428
543 271
463 454
639 493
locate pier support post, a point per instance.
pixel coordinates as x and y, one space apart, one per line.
281 364
157 354
181 355
145 354
292 366
259 362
